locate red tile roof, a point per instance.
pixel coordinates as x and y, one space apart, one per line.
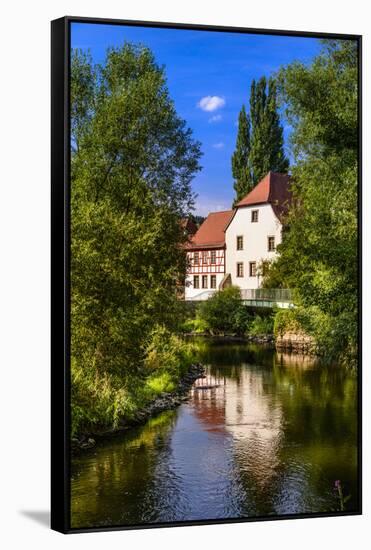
211 233
274 189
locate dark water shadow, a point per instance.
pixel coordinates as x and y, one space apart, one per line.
42 517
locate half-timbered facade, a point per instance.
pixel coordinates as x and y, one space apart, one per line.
206 257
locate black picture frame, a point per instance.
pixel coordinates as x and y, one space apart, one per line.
60 268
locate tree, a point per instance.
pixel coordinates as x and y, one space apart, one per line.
260 143
224 312
240 158
318 255
133 159
266 152
198 220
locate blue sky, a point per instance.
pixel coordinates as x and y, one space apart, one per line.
209 76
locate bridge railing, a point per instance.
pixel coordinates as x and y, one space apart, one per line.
274 295
202 296
267 294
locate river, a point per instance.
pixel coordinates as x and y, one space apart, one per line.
270 437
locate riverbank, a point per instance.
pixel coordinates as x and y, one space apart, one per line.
165 401
264 339
295 343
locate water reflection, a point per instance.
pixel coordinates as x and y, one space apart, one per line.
266 434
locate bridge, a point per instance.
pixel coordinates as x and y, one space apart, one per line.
257 297
267 297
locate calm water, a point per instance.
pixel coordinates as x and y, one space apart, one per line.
270 439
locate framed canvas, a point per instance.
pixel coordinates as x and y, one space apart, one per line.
206 274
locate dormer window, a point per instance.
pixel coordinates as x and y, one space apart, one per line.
254 215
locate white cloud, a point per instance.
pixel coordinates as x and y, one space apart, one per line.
215 118
218 145
211 103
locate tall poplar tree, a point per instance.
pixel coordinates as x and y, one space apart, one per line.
259 145
266 151
240 158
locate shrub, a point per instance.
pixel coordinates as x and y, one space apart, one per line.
242 319
261 325
286 321
160 383
310 321
196 325
223 312
166 351
103 399
97 400
333 336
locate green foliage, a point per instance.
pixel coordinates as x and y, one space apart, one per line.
318 255
271 274
198 220
103 400
240 159
97 399
267 152
159 384
286 321
133 159
259 145
166 359
332 336
196 325
261 325
224 312
166 351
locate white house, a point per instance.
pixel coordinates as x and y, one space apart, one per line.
255 230
233 245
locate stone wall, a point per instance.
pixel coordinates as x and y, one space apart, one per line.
297 342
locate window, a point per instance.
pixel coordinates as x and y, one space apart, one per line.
254 215
204 257
213 281
240 242
271 244
196 281
239 269
204 281
252 269
213 257
196 259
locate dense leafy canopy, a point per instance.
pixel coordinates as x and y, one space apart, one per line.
132 163
318 256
